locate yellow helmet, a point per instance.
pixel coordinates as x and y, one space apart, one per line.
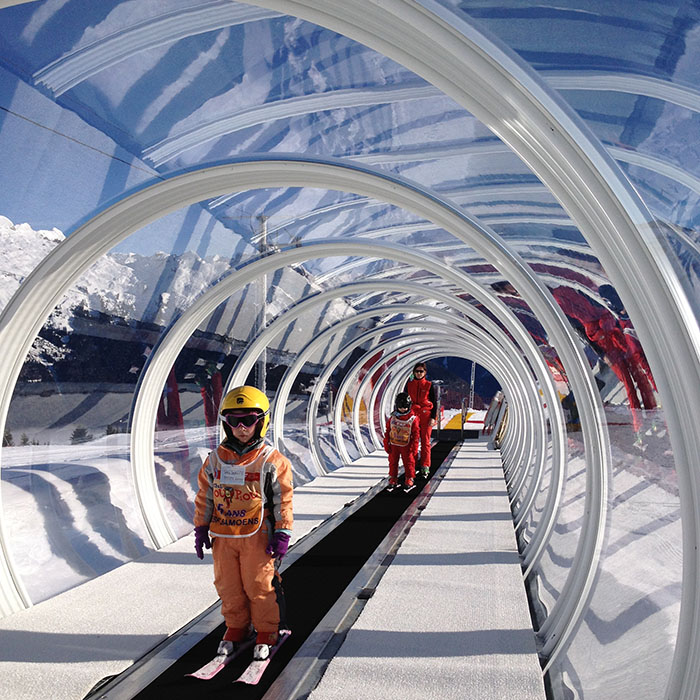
247 397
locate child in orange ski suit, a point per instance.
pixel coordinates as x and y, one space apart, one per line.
245 503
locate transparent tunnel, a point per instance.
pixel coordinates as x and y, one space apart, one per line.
310 197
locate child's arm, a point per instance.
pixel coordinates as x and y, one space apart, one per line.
278 493
203 508
204 500
282 492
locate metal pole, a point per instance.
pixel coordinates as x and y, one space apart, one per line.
437 384
471 387
261 365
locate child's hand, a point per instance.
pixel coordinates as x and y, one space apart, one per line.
201 540
279 544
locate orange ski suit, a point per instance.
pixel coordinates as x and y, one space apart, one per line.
243 499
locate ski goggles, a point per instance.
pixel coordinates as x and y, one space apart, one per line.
246 419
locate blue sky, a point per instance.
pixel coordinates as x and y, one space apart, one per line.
56 171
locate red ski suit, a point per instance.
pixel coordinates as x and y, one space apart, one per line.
422 395
401 440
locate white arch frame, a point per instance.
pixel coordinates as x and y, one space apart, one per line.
487 355
685 675
535 548
248 358
489 81
250 355
460 339
41 291
418 349
246 273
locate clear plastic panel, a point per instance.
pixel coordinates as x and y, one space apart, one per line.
101 123
66 449
626 642
67 485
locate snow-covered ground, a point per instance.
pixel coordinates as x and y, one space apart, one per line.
72 515
474 419
71 511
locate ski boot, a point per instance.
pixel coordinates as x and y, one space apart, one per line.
234 640
263 645
261 652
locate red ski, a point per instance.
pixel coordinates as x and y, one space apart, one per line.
255 669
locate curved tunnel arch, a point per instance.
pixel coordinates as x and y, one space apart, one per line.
323 377
455 339
116 222
276 326
425 350
515 104
341 356
535 548
510 380
162 361
320 341
417 351
571 186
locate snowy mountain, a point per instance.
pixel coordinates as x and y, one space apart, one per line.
144 293
128 287
22 248
122 285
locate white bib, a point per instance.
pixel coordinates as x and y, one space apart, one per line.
232 474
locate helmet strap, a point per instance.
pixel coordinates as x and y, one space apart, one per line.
240 448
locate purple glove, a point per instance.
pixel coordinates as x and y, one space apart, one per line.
279 544
201 540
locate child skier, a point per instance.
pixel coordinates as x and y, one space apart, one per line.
245 503
401 440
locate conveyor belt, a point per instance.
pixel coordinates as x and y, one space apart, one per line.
312 585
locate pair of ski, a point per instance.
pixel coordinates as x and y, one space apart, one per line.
395 487
252 674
